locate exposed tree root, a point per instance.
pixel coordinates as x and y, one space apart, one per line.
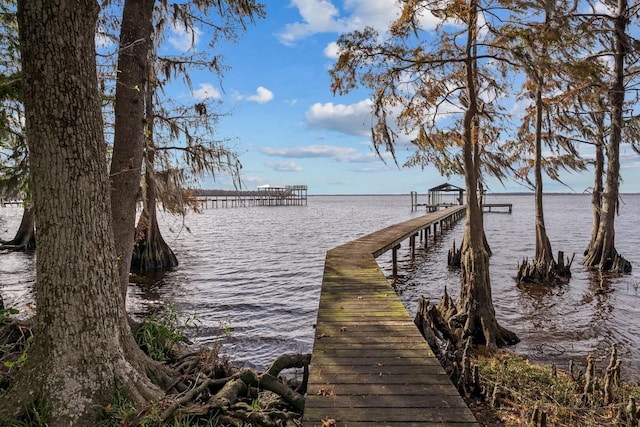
204 385
545 272
151 253
454 256
208 396
614 263
509 391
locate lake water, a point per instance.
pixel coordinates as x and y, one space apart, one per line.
256 272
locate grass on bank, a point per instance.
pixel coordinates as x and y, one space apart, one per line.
527 393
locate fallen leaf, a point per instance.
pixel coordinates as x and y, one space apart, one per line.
329 422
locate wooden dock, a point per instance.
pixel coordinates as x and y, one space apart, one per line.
11 203
491 206
290 195
370 364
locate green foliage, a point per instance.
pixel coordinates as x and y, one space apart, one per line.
23 356
159 335
192 422
13 148
5 315
35 415
122 412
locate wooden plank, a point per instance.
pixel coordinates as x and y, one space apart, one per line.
374 347
381 401
401 424
447 395
364 356
382 415
407 377
378 369
349 362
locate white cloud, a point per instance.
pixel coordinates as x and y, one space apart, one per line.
183 39
339 154
262 96
205 91
309 151
331 51
601 7
354 119
284 166
322 16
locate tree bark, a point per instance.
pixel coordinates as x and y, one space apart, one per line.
474 306
596 197
25 238
602 253
84 351
128 142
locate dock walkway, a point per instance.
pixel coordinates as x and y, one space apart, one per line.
370 364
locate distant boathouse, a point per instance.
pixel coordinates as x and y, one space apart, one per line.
263 195
440 196
447 195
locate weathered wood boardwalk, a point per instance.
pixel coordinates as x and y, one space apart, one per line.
370 365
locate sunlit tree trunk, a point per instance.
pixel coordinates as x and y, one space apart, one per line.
25 238
598 173
151 254
475 305
602 252
84 350
128 143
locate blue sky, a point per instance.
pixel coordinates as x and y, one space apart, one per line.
290 129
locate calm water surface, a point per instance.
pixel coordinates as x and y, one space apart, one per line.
257 271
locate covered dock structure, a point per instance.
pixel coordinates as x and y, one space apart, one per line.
440 196
447 195
264 195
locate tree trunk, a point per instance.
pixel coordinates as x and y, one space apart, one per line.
602 252
151 254
543 245
84 351
128 142
474 307
596 197
25 238
543 269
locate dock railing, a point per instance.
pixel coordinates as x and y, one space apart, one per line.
370 364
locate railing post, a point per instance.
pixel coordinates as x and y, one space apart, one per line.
394 261
412 247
